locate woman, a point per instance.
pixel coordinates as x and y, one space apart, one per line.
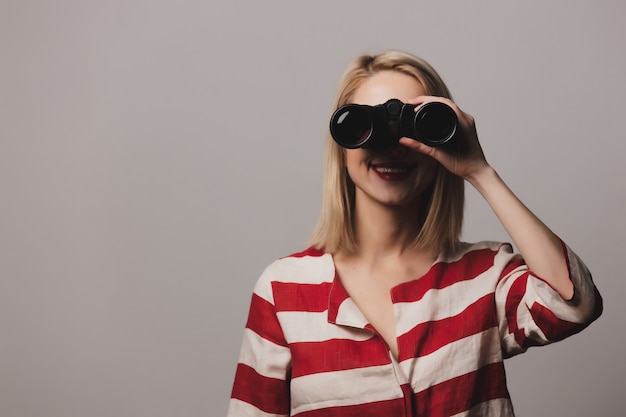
388 313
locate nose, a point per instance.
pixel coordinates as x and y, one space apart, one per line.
396 150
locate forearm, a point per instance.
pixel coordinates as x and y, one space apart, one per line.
538 245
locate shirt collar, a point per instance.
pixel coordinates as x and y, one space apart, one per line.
342 309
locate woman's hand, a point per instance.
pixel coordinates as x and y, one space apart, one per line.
465 157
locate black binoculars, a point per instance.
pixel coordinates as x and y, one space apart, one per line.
382 126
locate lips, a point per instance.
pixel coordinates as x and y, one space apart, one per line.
392 171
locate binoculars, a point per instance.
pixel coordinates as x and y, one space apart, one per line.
382 126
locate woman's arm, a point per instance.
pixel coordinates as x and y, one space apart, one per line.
539 246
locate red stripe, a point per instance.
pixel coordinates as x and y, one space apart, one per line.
512 266
523 340
430 336
552 327
336 355
390 408
463 393
301 297
409 398
263 321
267 394
514 298
447 398
442 275
310 251
338 295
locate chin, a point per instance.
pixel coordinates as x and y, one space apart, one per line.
398 200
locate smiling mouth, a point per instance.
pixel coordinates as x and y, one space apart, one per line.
392 170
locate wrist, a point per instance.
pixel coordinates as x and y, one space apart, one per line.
481 177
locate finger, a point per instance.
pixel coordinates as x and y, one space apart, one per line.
417 146
419 100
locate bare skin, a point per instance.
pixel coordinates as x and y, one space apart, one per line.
385 207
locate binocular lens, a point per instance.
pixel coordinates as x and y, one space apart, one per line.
435 123
351 126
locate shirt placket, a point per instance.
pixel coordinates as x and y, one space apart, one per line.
343 311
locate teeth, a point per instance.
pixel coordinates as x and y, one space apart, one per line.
387 170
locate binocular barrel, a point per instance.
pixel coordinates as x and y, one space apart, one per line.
360 126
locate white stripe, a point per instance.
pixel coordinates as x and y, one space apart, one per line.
538 291
585 301
349 314
502 292
464 248
453 360
312 269
504 287
447 302
525 319
304 270
305 326
344 388
500 407
237 408
543 294
267 358
443 303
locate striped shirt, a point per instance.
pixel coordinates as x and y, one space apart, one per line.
308 351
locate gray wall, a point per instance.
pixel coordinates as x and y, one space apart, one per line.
155 156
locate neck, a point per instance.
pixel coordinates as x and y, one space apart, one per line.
384 230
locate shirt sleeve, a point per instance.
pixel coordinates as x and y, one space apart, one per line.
262 379
532 313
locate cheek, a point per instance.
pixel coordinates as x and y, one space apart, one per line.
354 158
428 169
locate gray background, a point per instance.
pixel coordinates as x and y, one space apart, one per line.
155 156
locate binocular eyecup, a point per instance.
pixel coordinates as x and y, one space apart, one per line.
382 126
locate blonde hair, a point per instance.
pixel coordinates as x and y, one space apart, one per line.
442 204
